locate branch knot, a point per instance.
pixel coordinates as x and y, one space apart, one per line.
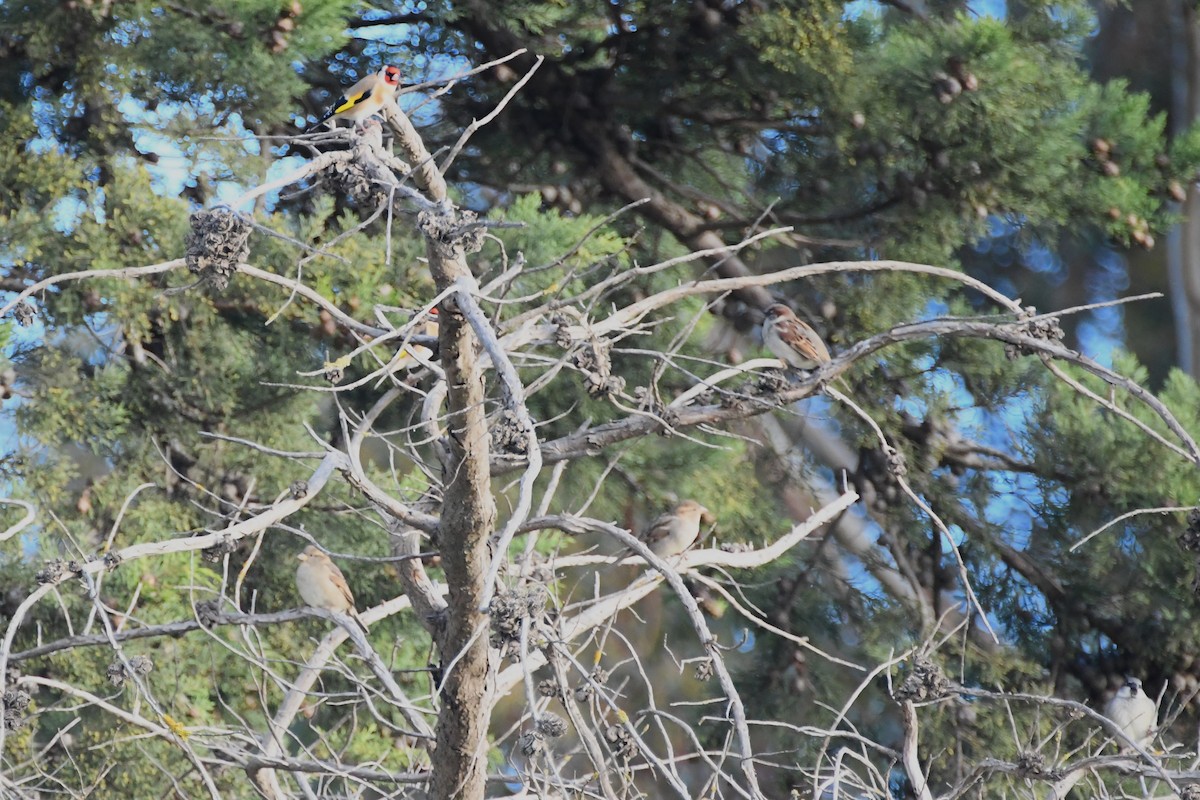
1046 329
510 609
594 360
356 181
1031 765
24 314
15 703
117 673
508 435
925 682
218 241
895 461
207 612
453 228
551 725
771 382
224 546
52 572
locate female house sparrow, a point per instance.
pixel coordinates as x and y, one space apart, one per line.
675 531
322 585
791 339
1134 712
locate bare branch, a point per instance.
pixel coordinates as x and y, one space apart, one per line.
479 123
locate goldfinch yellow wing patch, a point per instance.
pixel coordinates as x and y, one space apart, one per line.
346 103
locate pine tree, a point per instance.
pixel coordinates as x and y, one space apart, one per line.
971 509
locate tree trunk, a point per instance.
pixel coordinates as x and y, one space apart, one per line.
460 760
1183 244
469 514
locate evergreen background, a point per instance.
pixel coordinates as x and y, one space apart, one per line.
1025 143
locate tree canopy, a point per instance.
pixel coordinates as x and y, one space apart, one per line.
473 347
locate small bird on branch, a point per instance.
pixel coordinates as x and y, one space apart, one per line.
676 530
1134 713
415 354
791 339
366 97
322 585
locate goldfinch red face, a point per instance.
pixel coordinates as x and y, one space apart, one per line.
391 75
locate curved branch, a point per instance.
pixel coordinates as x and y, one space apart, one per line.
597 438
88 274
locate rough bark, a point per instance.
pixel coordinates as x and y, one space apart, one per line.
468 518
1183 244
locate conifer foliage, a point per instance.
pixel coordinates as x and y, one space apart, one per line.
496 351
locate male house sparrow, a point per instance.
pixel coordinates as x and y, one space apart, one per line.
322 585
791 339
675 531
1134 712
366 97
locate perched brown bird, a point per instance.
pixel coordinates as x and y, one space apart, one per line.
790 339
677 530
322 585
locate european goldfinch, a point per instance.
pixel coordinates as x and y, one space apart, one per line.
366 97
405 356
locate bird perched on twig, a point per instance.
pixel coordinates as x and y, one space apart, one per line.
322 585
676 530
366 97
415 354
791 339
1134 713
